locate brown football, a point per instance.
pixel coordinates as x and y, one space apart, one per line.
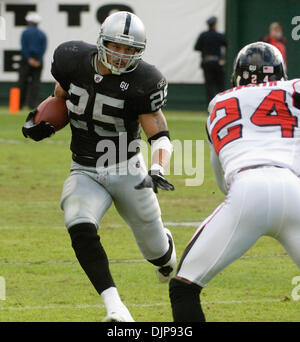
54 111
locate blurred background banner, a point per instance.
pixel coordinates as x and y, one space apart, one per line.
172 28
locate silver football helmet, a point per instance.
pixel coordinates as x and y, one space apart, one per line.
124 28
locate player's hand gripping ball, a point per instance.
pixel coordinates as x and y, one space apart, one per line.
50 116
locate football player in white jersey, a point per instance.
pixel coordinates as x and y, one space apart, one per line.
254 135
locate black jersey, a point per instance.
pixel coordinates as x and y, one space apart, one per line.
104 109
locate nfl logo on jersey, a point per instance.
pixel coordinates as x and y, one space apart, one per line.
98 78
245 75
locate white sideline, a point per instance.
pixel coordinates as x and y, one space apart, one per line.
101 306
116 225
186 224
118 261
170 117
48 142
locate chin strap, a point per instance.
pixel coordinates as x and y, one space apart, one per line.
95 64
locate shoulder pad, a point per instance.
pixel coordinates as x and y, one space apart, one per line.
150 77
67 55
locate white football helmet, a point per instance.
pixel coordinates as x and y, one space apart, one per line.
124 28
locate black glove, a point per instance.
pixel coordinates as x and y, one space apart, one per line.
155 180
37 131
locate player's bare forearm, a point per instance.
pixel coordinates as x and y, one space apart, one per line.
161 157
153 124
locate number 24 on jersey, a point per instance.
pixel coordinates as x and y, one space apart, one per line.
273 102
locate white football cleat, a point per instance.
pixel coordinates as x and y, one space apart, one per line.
113 317
166 272
120 315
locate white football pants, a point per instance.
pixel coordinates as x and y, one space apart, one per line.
261 201
89 192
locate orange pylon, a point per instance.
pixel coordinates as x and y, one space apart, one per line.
14 100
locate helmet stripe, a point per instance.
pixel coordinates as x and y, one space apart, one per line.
127 23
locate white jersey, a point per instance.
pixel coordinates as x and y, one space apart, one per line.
256 125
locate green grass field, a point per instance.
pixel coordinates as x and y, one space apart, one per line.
44 282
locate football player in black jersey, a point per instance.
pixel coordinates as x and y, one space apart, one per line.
111 93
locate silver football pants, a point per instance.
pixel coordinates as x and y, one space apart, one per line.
89 192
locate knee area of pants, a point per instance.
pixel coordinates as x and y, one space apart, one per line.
71 222
167 256
147 219
148 209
